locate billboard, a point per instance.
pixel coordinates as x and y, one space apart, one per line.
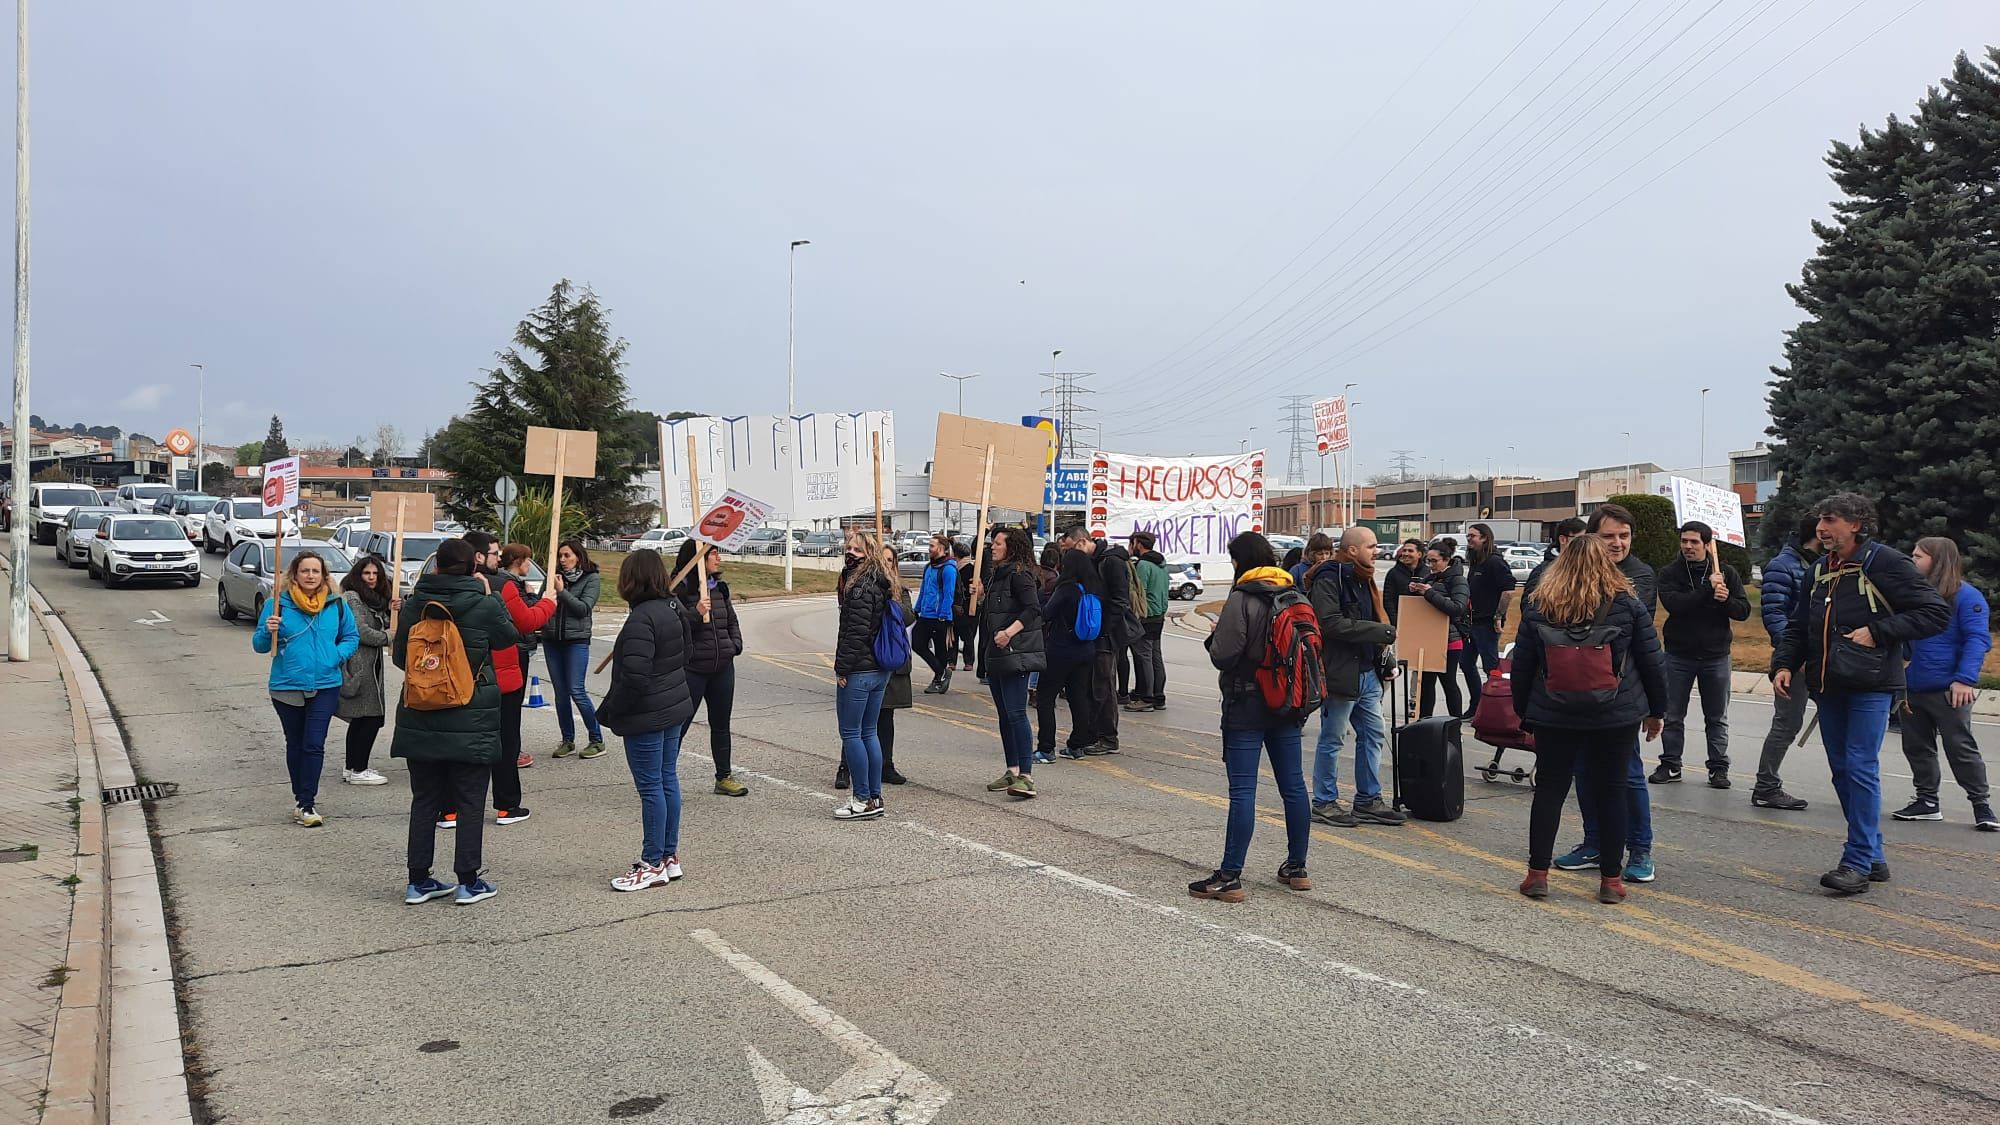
1193 505
811 467
1069 486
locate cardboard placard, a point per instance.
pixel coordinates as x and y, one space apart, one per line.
1423 634
578 449
1018 473
402 512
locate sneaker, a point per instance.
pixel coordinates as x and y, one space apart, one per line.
308 817
1002 783
1665 775
418 893
840 776
1878 872
1044 758
728 786
1777 799
1983 818
1378 811
1334 813
565 748
673 865
479 890
642 876
448 820
1124 698
1101 747
1611 891
1583 857
1075 753
1223 886
1137 705
1536 885
1023 787
1844 880
857 810
1294 875
1718 779
1639 868
1919 809
363 777
510 816
525 761
893 776
594 750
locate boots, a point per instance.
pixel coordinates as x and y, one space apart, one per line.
889 774
1611 891
840 776
1536 885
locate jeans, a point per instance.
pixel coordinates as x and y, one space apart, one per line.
1240 753
1788 717
569 663
1364 713
654 756
1683 674
931 638
1156 648
1148 680
305 742
1103 698
1931 718
507 771
361 741
718 690
1482 646
1010 702
1638 797
1851 726
859 707
1560 753
437 788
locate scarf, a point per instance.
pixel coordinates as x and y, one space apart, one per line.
572 577
308 604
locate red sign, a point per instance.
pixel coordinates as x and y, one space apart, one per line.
1330 423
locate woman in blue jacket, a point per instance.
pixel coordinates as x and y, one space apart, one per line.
314 634
1942 680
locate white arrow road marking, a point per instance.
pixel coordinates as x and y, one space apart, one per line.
158 618
879 1089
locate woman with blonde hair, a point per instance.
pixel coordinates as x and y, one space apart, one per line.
866 591
314 633
1587 672
1942 678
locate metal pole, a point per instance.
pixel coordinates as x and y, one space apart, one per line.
1701 470
791 400
1049 478
201 425
960 380
17 631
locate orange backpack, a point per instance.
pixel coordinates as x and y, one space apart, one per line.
437 676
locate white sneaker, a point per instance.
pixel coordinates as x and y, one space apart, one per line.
363 777
641 877
673 866
308 817
857 810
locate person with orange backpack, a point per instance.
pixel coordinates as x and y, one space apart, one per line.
448 719
1266 648
1355 629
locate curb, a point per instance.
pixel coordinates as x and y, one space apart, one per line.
118 1053
1985 705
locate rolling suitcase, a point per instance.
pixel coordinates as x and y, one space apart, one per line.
1427 762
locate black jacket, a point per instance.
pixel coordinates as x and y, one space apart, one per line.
962 596
1013 593
1394 586
1121 621
863 600
1450 595
1351 639
1642 687
715 643
1698 625
468 734
649 689
1237 645
1645 583
1905 607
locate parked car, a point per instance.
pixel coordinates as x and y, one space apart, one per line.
6 505
242 518
534 577
79 527
911 561
765 541
148 548
107 497
350 533
665 540
822 544
250 567
191 508
1521 559
49 503
1184 581
138 498
1283 543
417 549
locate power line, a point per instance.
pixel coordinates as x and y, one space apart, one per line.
1402 459
1299 428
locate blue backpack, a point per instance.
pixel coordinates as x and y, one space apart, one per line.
892 639
1089 617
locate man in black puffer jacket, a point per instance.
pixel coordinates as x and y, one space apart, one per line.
1121 626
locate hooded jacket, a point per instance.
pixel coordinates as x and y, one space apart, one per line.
528 620
1079 577
1635 652
1645 582
1955 655
1351 637
1451 595
1152 570
715 643
1698 625
312 647
863 600
468 734
1121 617
574 605
1236 647
937 596
361 694
1896 604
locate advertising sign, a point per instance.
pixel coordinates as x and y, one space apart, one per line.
1193 505
828 457
729 523
1069 486
179 442
1719 508
1050 427
1330 423
281 485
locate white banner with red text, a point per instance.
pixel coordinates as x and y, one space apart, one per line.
1193 506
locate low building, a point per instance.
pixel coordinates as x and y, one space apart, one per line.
1296 511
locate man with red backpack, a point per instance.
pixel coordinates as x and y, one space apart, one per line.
1355 632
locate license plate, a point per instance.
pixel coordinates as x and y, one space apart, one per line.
165 566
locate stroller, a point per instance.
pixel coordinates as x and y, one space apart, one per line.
1495 723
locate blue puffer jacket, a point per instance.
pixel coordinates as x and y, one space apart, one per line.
940 590
1955 655
1782 578
312 648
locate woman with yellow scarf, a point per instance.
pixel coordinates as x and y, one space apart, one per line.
313 633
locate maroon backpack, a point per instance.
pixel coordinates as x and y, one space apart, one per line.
1580 669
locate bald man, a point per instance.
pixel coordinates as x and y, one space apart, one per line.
1354 632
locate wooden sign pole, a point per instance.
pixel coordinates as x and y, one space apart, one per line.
556 504
277 580
877 435
700 546
979 533
396 576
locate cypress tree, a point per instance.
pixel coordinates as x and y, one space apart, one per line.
274 445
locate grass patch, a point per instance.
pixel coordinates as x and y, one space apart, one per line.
29 853
57 976
315 532
747 581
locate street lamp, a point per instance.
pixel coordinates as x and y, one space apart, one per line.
960 380
1513 479
791 402
200 421
1347 473
1048 478
18 621
1701 470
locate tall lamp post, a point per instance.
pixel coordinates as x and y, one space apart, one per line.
1347 474
1049 479
960 380
201 424
791 401
1513 479
17 628
1701 470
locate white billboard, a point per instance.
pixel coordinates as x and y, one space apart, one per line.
826 473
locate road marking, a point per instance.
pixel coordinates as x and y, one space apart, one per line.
879 1089
158 618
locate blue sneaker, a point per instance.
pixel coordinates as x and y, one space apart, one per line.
1583 857
427 890
479 890
1044 758
1639 867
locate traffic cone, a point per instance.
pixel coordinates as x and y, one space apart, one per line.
535 692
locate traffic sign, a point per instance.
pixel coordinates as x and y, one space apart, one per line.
506 490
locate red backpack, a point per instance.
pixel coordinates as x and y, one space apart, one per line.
1291 673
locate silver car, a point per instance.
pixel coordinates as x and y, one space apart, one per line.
78 529
247 573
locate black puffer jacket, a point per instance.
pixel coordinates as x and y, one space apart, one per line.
1395 585
1904 608
1121 621
1451 594
714 643
863 599
1013 593
1642 686
649 671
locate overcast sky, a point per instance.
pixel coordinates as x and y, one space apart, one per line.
342 210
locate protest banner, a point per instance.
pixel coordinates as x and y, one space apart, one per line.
983 462
1193 505
1330 424
559 454
279 494
400 512
1423 634
1719 508
727 525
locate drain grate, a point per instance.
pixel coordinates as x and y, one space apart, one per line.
151 791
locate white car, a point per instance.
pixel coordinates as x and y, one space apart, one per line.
665 540
1521 559
1184 581
350 533
191 508
240 518
49 503
130 548
416 549
138 498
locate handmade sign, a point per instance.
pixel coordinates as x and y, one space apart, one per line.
1330 423
1423 635
559 454
1719 508
1193 505
281 485
402 512
727 526
1020 463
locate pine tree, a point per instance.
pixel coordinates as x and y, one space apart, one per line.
566 371
274 443
1889 385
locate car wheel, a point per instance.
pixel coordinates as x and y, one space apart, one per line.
257 610
222 607
63 558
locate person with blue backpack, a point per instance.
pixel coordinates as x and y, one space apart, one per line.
1072 621
871 643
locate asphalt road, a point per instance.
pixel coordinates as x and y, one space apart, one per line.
969 958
